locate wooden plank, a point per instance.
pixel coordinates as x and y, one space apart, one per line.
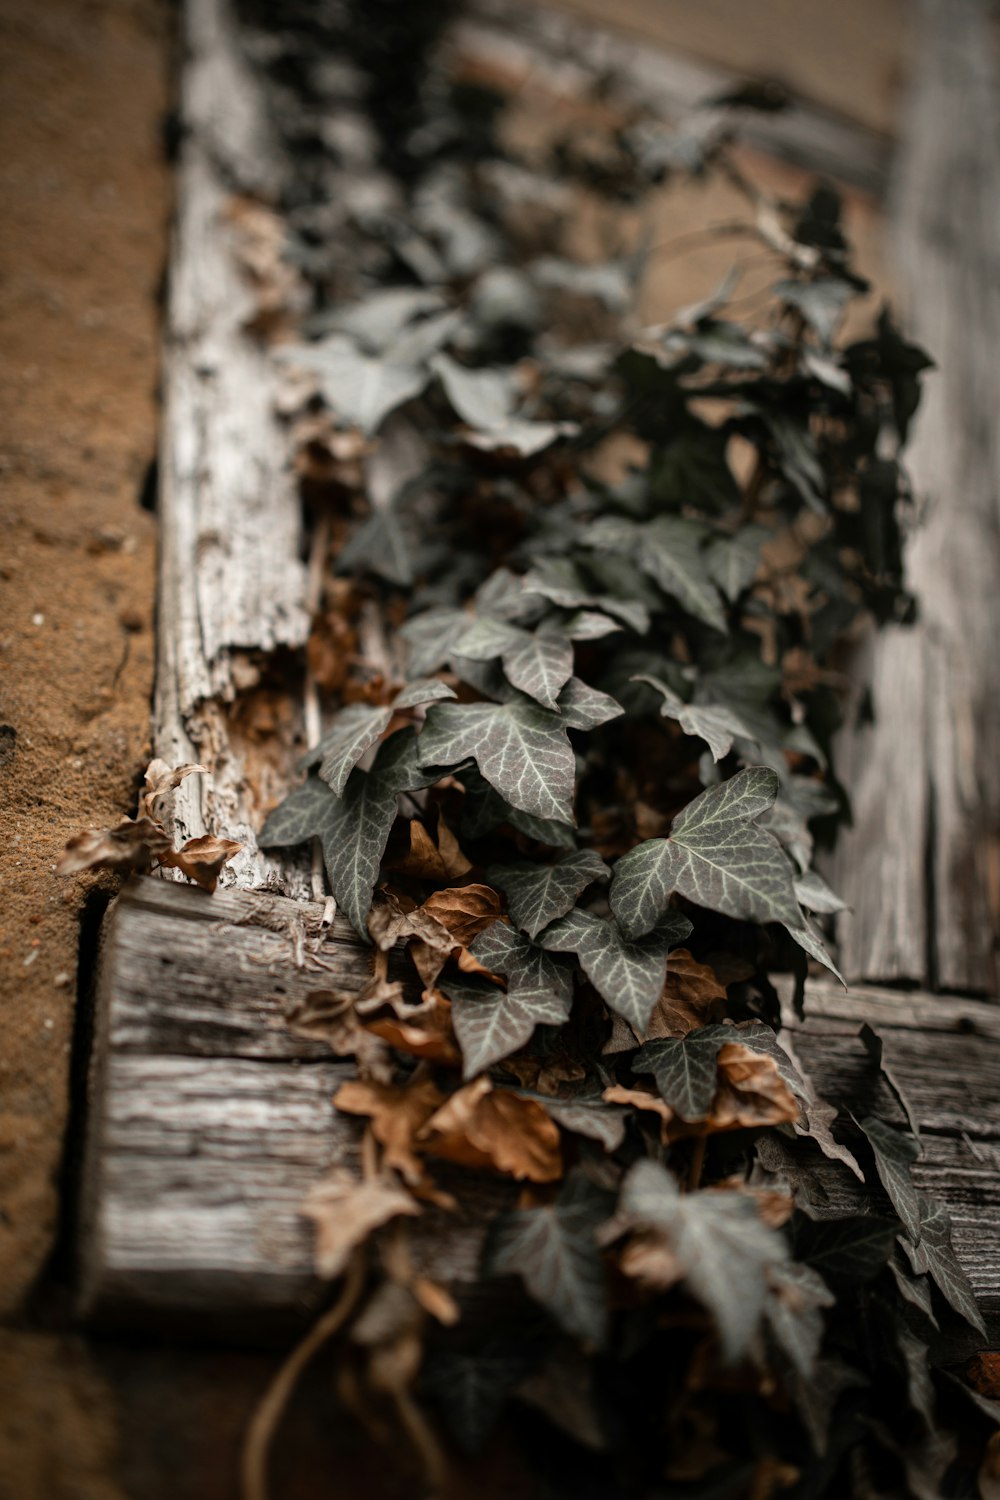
921 868
210 1120
232 585
573 52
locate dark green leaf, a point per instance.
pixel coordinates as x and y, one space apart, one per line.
724 1249
684 1069
520 748
584 707
553 1249
935 1256
670 550
628 975
716 726
528 969
851 1249
354 731
538 894
490 1024
894 1155
716 856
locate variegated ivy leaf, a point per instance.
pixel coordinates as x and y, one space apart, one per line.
299 818
538 663
716 856
554 1250
894 1155
490 1025
814 894
559 580
725 1251
355 730
521 748
589 625
429 637
583 707
484 809
684 1068
358 726
732 560
628 976
538 894
483 398
528 969
717 726
935 1256
353 828
794 1312
670 550
810 942
424 690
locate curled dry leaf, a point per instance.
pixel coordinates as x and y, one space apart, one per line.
428 1035
132 844
480 1126
465 910
346 1211
397 1113
693 996
159 779
329 1016
641 1099
751 1091
202 859
430 858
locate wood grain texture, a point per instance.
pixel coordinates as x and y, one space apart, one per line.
210 1120
921 868
232 582
573 52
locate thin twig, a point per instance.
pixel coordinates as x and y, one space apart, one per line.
260 1433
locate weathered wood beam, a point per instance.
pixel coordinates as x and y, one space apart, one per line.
232 585
921 867
211 1120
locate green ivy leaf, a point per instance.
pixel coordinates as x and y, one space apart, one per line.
361 389
483 398
715 725
812 892
852 1249
724 1250
583 707
732 560
354 731
298 818
559 580
935 1257
684 1069
628 976
538 663
538 894
528 969
521 749
670 550
490 1024
794 1313
554 1251
716 856
591 1117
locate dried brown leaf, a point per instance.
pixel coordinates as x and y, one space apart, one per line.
464 910
202 859
751 1092
480 1126
159 779
132 844
430 859
428 1035
397 1113
346 1211
692 997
